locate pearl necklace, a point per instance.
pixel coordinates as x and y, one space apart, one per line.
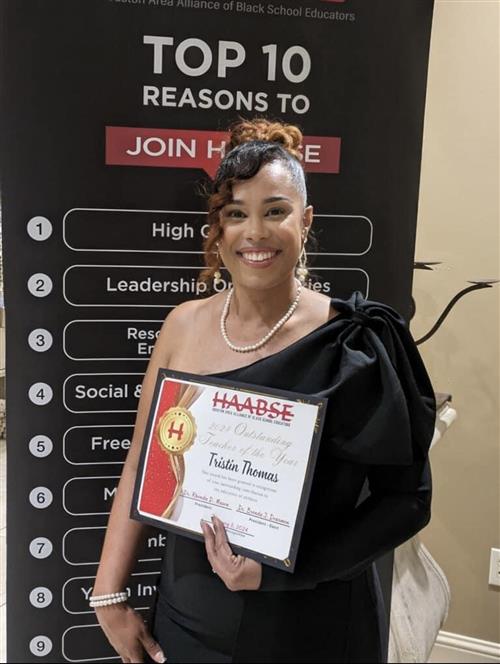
272 332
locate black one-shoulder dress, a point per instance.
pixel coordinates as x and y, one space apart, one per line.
379 425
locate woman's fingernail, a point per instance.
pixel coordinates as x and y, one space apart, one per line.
160 657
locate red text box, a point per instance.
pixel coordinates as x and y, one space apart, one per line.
187 148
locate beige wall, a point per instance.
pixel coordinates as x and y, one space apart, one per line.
459 224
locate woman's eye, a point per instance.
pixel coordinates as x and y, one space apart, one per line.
235 214
276 211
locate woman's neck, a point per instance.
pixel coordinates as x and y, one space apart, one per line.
258 307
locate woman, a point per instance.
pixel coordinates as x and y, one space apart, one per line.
270 330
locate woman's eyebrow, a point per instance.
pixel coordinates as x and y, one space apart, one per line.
271 199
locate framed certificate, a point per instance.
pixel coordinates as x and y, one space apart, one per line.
243 452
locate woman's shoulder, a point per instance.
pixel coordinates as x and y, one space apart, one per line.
381 399
185 311
189 316
316 308
356 301
180 327
359 309
182 313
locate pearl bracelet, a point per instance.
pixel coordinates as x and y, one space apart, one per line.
109 599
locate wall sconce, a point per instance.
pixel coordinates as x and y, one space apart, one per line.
477 284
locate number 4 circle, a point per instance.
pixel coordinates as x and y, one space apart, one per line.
40 394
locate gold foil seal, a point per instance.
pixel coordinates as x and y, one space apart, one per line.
177 430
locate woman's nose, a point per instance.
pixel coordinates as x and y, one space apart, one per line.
256 228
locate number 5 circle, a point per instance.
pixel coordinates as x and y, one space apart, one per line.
40 446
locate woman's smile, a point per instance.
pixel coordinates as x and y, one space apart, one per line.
259 258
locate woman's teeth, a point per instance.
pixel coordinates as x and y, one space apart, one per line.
258 257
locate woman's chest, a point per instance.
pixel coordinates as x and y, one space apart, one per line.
207 353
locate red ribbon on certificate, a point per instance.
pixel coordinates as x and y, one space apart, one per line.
164 471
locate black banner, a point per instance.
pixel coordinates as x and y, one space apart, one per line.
113 113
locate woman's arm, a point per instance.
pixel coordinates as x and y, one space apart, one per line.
381 415
124 535
398 507
123 626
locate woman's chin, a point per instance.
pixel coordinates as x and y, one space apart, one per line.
261 279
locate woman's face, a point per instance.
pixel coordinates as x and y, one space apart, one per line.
262 228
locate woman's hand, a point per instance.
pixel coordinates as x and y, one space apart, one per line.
128 634
237 572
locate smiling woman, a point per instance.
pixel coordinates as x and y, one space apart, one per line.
270 329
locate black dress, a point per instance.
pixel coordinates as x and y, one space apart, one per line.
379 425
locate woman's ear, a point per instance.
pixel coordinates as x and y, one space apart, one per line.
308 218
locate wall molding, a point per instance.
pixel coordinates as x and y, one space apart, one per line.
468 644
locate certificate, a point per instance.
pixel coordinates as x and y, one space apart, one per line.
242 452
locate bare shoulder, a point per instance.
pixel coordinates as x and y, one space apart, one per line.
181 318
182 314
191 312
182 322
318 305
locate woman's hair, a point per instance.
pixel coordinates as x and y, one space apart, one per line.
252 144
